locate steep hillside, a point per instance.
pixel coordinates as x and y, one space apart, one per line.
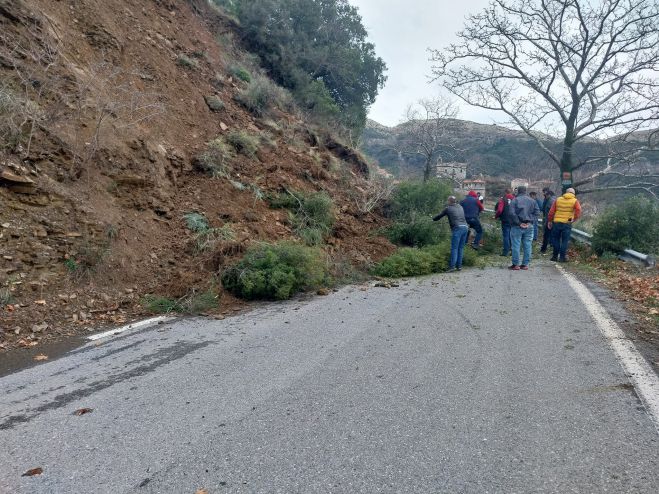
107 109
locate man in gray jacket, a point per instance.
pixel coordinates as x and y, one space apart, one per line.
459 231
523 212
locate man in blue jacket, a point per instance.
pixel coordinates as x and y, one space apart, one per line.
472 208
523 211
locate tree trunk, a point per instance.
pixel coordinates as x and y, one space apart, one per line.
427 170
567 161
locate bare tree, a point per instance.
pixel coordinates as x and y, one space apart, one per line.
427 131
572 70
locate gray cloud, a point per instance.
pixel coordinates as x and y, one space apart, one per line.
402 30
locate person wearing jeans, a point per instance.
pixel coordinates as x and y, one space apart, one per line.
502 213
523 211
459 231
563 213
521 237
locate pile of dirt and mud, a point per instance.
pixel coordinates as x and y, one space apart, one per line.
121 98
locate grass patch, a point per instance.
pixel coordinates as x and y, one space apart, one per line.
6 297
215 158
206 238
312 216
262 95
214 103
193 303
276 271
186 62
243 142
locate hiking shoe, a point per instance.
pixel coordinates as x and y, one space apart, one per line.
562 260
458 269
450 270
514 267
475 247
555 259
525 268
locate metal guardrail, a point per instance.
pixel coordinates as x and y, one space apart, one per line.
628 255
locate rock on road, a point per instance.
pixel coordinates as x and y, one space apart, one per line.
478 382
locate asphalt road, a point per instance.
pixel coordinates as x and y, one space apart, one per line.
482 381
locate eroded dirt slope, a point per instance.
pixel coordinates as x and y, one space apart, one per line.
92 196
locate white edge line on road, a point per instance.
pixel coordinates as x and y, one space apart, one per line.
642 376
135 325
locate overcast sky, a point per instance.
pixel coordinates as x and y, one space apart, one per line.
402 30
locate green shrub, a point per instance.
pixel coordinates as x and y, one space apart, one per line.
240 73
262 95
316 98
214 103
243 142
313 217
633 224
413 262
215 159
413 199
421 261
416 233
186 62
276 271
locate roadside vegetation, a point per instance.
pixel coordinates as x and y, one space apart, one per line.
276 271
318 51
633 224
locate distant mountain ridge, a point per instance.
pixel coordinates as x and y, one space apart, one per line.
488 149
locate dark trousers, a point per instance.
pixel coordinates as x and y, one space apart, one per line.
476 225
561 237
546 238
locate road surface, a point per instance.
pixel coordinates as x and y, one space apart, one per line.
484 381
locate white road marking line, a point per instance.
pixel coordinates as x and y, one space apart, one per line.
644 379
136 325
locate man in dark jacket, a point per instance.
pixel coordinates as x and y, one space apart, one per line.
523 211
472 208
546 207
502 213
459 231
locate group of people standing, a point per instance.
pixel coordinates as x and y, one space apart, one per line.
520 215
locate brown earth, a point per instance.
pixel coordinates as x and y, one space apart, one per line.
102 180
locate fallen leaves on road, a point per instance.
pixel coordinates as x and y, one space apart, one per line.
40 357
82 411
32 472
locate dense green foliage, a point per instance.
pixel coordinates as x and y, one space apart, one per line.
318 50
412 206
634 224
276 271
417 262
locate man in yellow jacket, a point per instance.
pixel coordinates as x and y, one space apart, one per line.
563 213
